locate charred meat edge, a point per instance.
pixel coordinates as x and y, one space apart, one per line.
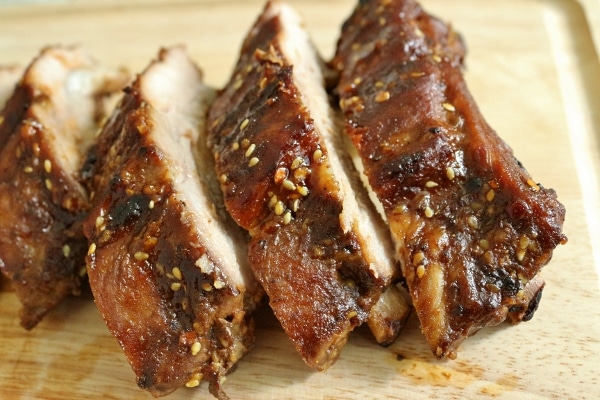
168 273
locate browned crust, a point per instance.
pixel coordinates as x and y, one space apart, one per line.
277 184
161 292
471 226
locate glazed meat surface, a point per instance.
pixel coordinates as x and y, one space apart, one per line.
470 225
167 271
46 127
315 246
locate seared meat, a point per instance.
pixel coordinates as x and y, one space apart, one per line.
470 225
46 127
168 273
315 246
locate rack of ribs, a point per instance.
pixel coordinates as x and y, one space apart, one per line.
46 127
315 243
470 226
167 270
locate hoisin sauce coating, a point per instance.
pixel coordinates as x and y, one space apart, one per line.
42 246
277 184
178 319
472 227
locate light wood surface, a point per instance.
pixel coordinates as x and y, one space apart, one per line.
532 66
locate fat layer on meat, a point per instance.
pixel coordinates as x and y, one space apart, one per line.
168 272
315 243
471 227
46 127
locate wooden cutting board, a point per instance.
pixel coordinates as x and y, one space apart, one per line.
534 70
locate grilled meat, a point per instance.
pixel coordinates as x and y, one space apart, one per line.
470 225
168 272
315 244
46 128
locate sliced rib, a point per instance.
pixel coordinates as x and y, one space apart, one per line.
470 226
46 128
315 246
168 272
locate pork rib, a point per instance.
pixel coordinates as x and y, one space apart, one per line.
46 128
314 247
168 273
471 227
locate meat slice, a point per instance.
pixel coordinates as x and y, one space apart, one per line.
46 128
470 225
315 243
168 272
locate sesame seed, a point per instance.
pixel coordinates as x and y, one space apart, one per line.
429 212
176 273
298 161
489 196
263 82
287 218
382 21
417 74
235 146
430 184
448 107
289 185
357 81
99 221
436 58
421 271
419 32
450 174
48 166
279 208
92 249
295 205
82 271
48 184
206 287
151 204
523 242
379 84
418 258
520 255
218 284
317 155
273 200
66 249
351 314
141 256
301 173
195 349
280 174
175 286
192 383
245 143
302 190
28 170
250 150
244 123
238 83
253 161
382 96
484 244
533 185
223 178
472 221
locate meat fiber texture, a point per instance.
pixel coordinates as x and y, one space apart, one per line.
470 225
46 128
316 245
167 269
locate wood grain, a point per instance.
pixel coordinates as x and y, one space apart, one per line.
529 63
